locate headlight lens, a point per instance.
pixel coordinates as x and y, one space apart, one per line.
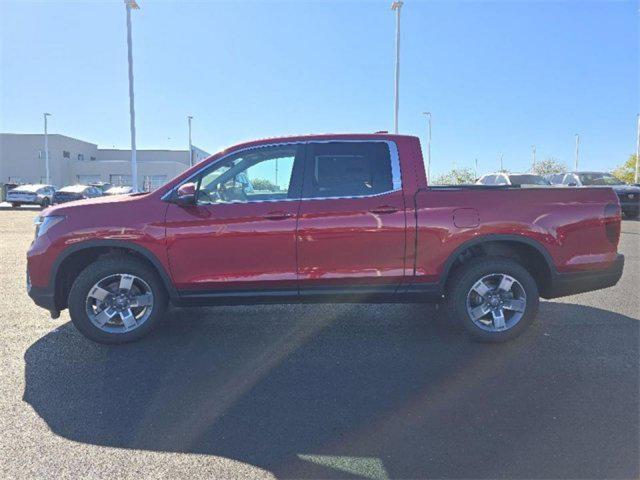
43 224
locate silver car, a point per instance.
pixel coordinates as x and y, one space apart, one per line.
36 194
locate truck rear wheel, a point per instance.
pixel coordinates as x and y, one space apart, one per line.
495 298
117 300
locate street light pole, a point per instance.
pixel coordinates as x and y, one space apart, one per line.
46 148
131 4
428 114
577 151
397 6
189 118
635 179
533 154
501 156
475 172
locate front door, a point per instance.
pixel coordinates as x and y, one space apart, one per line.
239 236
351 225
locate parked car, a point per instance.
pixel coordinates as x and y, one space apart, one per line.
351 219
629 195
123 190
522 179
76 192
33 194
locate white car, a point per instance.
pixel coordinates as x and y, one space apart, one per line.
520 179
122 190
36 194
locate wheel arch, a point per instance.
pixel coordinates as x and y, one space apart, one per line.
77 257
529 252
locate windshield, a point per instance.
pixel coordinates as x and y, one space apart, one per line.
528 180
599 179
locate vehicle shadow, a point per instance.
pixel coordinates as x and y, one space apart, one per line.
35 208
353 391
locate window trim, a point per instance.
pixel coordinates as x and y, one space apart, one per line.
396 171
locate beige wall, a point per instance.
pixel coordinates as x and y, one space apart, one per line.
20 160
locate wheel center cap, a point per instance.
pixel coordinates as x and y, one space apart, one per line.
122 302
494 301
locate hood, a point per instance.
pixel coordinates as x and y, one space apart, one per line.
87 203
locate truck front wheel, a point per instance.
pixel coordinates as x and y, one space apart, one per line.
117 300
495 298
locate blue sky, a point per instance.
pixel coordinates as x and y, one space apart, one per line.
498 76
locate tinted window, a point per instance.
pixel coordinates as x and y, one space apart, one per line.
349 169
569 178
527 180
599 179
501 180
488 180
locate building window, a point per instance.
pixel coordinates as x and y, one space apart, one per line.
81 157
92 158
120 180
151 182
87 179
66 154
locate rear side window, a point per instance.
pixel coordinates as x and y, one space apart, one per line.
349 169
488 180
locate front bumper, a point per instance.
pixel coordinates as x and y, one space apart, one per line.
564 284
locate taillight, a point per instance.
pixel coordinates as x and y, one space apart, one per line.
612 219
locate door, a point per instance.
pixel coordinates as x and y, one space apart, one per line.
240 234
351 225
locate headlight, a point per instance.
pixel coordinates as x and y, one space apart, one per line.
43 224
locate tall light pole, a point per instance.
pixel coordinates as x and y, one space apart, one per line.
635 179
501 163
397 6
533 155
189 118
46 148
428 114
131 4
475 162
577 151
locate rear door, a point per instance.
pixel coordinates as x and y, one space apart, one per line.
351 225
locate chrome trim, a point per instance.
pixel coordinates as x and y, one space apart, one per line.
396 174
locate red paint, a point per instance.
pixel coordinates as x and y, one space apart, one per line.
399 237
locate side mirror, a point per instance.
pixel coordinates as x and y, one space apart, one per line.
186 194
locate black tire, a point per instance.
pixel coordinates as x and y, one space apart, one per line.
45 203
468 274
101 269
15 205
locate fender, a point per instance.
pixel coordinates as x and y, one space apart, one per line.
496 238
166 279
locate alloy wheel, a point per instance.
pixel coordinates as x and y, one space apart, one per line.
496 302
119 303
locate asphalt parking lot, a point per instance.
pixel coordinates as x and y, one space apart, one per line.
324 391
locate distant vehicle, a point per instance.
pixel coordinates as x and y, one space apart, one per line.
103 186
123 190
629 195
76 192
36 194
525 179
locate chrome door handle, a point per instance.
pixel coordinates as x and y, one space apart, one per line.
278 215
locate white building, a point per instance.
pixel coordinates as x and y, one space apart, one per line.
72 161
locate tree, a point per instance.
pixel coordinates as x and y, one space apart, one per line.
456 176
550 165
627 171
264 184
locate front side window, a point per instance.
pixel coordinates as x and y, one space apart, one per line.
260 174
349 169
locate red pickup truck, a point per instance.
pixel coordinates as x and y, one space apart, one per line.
323 218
